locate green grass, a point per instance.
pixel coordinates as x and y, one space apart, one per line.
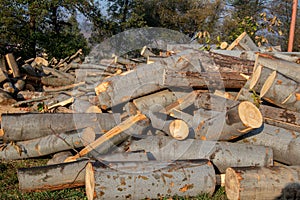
9 185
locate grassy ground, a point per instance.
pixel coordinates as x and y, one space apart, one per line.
9 185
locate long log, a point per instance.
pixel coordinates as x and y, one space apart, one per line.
18 127
148 78
269 183
45 145
135 180
221 154
281 91
230 124
285 143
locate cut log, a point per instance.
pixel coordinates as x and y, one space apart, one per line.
178 114
13 65
137 180
3 76
148 78
222 154
210 101
52 177
54 81
259 77
59 157
289 69
268 183
43 146
285 143
243 42
5 98
18 127
204 80
281 117
2 64
281 91
103 144
230 124
59 74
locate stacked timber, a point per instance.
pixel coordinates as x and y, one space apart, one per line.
181 122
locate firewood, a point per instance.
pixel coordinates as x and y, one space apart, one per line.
285 143
146 52
3 76
221 154
3 64
13 65
59 74
243 42
62 103
231 124
43 146
62 88
37 99
18 127
268 183
153 179
281 91
59 157
186 117
54 81
5 98
259 77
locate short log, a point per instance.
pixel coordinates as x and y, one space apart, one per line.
277 182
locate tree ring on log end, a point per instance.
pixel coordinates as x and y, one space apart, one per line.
179 129
255 77
250 115
267 85
232 184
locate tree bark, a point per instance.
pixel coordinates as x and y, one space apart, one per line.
230 124
268 183
281 91
281 117
45 145
18 127
285 143
221 154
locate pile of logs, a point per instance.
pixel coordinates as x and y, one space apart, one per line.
184 123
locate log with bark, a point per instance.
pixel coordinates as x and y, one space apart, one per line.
277 182
45 145
222 154
243 42
231 124
285 143
18 127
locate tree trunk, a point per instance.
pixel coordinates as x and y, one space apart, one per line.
13 65
52 177
289 69
45 145
222 154
281 91
285 143
18 127
281 117
231 124
267 183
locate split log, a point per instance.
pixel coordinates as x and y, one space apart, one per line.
289 69
231 124
259 77
281 91
52 177
148 78
277 182
204 80
2 64
243 42
18 127
13 65
152 179
221 154
285 143
281 117
44 145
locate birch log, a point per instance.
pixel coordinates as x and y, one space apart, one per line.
281 91
230 124
221 154
45 145
19 127
268 183
285 143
